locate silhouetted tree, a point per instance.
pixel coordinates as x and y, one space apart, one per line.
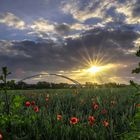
136 71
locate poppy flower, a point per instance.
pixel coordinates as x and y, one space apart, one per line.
95 106
106 123
74 120
27 104
59 117
33 103
36 109
104 111
1 136
47 99
91 120
137 105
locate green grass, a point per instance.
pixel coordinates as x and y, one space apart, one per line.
43 125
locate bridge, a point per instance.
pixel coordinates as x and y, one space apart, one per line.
58 75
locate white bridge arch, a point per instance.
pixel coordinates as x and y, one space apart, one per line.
58 75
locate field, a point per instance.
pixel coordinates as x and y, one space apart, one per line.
70 114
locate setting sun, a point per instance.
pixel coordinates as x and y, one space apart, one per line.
94 69
99 69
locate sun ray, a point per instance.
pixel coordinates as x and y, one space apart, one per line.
95 66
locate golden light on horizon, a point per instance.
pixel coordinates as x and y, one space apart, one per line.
94 69
96 73
98 69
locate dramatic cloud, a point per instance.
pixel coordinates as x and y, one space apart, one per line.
11 20
49 56
129 10
7 49
106 10
42 25
90 8
61 36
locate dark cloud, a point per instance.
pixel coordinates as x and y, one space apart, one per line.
136 9
42 30
62 29
47 56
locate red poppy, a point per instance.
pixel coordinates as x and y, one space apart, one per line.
95 106
33 103
36 109
91 120
104 111
137 105
74 120
59 117
106 123
1 136
47 99
27 104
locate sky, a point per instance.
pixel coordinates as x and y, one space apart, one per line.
86 40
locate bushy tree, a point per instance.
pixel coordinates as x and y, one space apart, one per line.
136 71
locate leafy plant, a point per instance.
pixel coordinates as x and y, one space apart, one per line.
3 78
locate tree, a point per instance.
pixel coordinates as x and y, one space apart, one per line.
21 85
136 71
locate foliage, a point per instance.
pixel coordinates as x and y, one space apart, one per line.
3 78
28 124
137 70
134 133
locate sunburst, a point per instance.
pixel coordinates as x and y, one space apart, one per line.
95 68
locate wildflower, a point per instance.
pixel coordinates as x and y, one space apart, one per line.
33 103
106 123
95 106
59 117
104 111
137 105
47 99
74 120
1 136
36 109
27 104
91 120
